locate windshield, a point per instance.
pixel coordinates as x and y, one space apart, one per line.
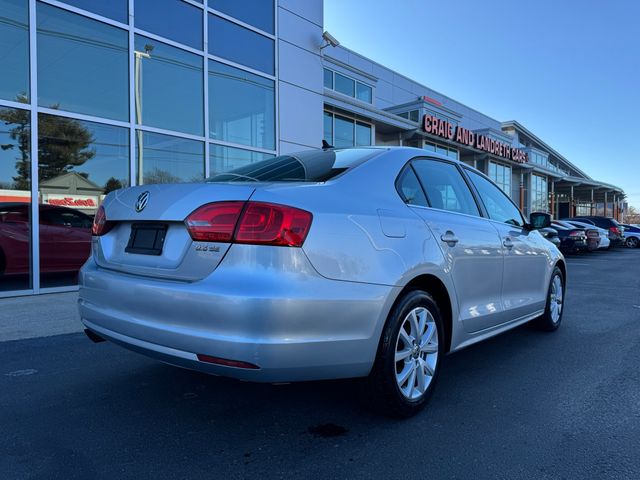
309 166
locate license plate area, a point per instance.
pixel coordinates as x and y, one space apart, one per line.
147 238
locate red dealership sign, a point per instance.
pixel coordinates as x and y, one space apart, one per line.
464 136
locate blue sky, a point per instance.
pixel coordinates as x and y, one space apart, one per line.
569 70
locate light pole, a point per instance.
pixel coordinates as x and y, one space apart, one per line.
138 93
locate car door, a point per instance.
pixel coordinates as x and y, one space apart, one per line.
65 239
470 245
526 255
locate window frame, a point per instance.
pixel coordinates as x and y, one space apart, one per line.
481 210
466 169
356 82
355 122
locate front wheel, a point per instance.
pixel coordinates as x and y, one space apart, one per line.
631 242
406 367
552 316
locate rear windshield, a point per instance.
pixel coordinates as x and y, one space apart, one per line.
309 166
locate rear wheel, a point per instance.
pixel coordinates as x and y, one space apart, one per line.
406 367
631 242
552 316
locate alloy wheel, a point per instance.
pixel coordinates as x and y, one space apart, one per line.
556 296
632 242
416 353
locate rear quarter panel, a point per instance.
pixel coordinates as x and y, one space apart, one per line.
362 231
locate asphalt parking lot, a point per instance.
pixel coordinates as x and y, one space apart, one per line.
523 405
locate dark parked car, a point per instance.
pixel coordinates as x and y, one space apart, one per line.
65 239
572 240
616 234
551 234
593 237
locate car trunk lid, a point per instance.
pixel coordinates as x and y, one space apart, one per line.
148 235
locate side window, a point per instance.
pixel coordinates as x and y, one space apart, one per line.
499 207
409 188
445 187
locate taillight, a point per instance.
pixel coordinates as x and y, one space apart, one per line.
100 224
271 224
614 230
214 222
256 223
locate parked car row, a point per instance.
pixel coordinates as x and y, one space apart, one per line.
590 233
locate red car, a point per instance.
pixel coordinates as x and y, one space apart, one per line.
65 239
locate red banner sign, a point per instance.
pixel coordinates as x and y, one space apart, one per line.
72 202
464 136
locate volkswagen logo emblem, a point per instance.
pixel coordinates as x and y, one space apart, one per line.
142 201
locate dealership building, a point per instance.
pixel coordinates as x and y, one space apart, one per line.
97 95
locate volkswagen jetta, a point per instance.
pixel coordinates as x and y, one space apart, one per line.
369 262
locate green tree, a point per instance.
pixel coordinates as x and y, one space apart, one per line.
112 184
63 144
20 132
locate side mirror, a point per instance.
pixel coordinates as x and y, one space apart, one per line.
539 220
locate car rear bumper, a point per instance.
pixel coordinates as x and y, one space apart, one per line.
279 315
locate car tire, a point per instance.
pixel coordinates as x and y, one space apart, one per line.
631 242
550 320
408 359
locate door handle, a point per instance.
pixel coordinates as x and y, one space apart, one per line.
508 243
449 238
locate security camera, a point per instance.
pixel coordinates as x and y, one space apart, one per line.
330 39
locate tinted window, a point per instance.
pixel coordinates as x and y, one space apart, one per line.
409 188
258 13
344 132
345 85
328 128
363 135
446 189
168 159
499 207
115 9
328 78
228 158
241 107
14 45
241 45
364 92
170 89
309 166
173 19
82 64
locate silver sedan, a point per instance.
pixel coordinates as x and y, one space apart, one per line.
370 262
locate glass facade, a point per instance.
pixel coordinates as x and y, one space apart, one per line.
168 87
121 100
241 107
501 175
14 46
539 194
441 149
15 200
228 158
348 86
82 64
233 42
342 132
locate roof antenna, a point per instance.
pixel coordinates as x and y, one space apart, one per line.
326 146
